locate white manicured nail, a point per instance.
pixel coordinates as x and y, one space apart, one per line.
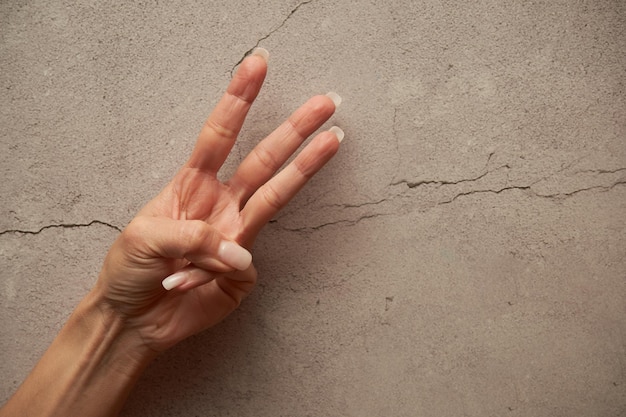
175 280
338 132
262 52
336 98
234 255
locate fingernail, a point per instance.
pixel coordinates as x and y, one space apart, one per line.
174 280
338 132
234 255
336 98
262 52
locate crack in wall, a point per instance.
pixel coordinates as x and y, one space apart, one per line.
411 186
439 182
529 188
604 188
62 225
270 33
416 184
484 191
394 135
600 171
347 206
346 221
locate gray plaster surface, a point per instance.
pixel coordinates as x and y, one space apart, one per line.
463 255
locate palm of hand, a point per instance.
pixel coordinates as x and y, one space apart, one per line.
198 195
192 195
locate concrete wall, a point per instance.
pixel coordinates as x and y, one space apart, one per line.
464 253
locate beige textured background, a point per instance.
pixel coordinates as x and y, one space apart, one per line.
463 255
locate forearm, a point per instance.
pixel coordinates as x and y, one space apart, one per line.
88 370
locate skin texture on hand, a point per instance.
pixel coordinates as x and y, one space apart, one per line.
195 213
196 228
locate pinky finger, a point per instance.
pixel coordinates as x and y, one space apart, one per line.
191 277
271 197
187 278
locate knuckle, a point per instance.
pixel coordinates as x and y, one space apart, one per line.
272 197
199 237
241 96
299 125
135 231
219 129
266 157
304 167
195 232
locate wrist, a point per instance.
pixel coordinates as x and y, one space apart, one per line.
107 335
89 369
104 358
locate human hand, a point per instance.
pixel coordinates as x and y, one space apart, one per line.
197 227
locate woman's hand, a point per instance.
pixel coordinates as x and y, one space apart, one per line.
190 239
197 227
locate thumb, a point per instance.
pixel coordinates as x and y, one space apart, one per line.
193 240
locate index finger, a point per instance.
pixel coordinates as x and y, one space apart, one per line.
220 130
